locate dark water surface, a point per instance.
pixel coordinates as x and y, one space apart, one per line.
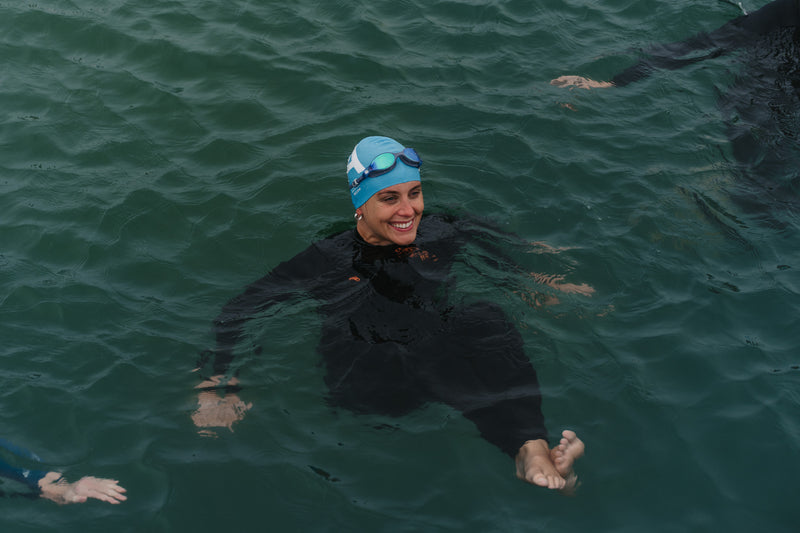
158 156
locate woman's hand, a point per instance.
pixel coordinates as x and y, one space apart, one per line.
580 82
56 488
557 282
214 410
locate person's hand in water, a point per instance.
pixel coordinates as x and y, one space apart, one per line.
580 82
556 281
54 487
215 411
553 468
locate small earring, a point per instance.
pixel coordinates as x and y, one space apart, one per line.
358 216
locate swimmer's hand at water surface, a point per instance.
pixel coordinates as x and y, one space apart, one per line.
56 488
217 411
580 82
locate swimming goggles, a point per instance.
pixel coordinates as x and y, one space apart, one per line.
385 162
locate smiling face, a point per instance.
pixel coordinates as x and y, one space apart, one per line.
392 215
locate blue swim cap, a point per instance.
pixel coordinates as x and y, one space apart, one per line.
363 154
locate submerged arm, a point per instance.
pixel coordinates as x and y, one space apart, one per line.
735 34
486 237
52 486
30 478
219 404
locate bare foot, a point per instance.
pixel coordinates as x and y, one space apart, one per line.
554 469
564 455
535 466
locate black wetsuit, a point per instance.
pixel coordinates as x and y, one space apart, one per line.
762 107
392 340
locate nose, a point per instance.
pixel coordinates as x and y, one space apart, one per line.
405 208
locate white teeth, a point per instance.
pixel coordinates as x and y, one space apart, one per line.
404 225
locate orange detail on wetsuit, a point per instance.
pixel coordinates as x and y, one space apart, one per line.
413 251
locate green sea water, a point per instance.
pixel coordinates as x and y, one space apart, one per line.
158 156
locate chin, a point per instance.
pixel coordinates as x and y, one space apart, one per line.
405 239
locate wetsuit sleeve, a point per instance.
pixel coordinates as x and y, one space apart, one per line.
724 40
28 477
287 280
487 237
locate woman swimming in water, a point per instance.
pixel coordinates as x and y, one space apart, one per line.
391 340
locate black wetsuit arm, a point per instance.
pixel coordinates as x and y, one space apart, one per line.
287 280
28 477
487 236
735 34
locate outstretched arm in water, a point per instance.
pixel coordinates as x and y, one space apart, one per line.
218 401
739 32
52 485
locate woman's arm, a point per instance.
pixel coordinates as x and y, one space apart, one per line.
487 236
218 401
25 476
52 485
737 33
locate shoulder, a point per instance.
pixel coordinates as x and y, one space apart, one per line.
440 225
437 226
334 243
317 259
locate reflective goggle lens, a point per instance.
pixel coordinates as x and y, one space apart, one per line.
382 162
